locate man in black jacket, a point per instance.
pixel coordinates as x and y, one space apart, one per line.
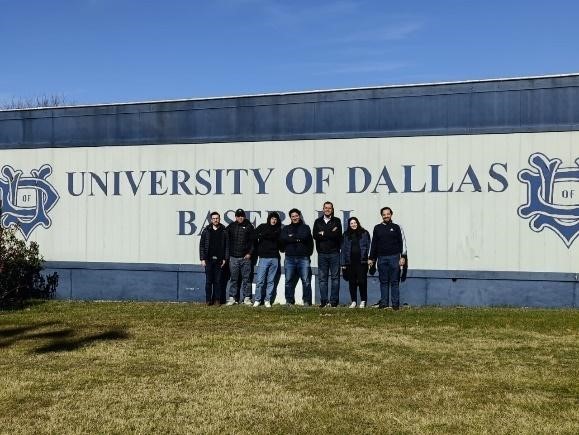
388 246
298 244
327 233
240 234
213 253
267 247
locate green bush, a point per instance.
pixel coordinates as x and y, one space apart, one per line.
20 267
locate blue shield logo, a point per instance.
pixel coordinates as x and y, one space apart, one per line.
552 197
26 201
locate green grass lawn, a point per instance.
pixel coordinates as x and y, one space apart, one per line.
186 368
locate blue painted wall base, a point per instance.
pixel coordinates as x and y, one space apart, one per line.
185 283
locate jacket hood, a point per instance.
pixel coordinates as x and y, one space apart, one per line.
275 215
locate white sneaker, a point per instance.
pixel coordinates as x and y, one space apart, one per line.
353 305
246 301
256 304
267 304
230 302
362 304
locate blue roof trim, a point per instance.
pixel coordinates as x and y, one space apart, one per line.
487 107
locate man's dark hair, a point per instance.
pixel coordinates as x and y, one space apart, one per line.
385 208
213 213
329 202
294 210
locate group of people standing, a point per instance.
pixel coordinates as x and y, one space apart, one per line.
230 252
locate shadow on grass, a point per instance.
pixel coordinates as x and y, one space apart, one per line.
62 339
19 330
9 336
64 344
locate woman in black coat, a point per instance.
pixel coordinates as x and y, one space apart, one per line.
354 260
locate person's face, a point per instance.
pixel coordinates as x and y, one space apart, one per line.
295 218
215 219
353 224
328 210
273 220
239 219
386 216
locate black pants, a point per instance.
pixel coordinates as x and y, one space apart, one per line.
358 278
213 282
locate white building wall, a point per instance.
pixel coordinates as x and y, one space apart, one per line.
457 230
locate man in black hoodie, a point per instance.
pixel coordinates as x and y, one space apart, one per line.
213 253
267 247
298 244
240 234
327 233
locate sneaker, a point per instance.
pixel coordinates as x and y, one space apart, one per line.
247 301
256 304
376 305
362 304
353 305
231 301
267 304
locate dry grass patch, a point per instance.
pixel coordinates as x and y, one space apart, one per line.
185 368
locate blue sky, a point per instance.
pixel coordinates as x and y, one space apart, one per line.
106 51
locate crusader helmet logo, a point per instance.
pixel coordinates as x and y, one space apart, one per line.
552 197
26 201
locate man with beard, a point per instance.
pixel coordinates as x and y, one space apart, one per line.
388 245
213 252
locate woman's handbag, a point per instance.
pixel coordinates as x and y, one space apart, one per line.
346 273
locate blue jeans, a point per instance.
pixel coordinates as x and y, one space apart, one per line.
389 276
329 265
295 267
266 271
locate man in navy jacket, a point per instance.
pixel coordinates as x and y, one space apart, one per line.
388 245
297 242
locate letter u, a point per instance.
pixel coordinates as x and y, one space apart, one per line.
71 183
